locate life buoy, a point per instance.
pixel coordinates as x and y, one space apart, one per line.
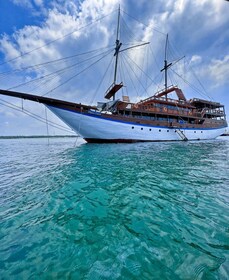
164 109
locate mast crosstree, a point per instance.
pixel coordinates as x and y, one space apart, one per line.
116 87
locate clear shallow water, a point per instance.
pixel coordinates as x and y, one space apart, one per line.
128 211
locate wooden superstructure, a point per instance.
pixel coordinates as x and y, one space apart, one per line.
162 110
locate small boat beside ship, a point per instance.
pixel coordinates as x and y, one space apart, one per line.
165 116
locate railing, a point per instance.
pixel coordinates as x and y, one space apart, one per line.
158 98
182 113
163 110
206 101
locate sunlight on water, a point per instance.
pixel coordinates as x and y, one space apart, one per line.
70 210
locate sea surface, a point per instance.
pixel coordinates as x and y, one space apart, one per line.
70 210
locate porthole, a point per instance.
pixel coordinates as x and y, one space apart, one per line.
201 131
159 130
150 129
194 131
132 127
141 128
167 130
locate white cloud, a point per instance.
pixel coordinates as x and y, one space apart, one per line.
38 2
34 7
179 6
195 59
57 25
59 22
29 4
219 70
23 3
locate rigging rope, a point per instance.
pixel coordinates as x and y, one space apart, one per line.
69 79
49 62
35 116
188 83
143 23
98 87
133 84
53 74
55 40
47 126
136 76
205 92
52 78
141 69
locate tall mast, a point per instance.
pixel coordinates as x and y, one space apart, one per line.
166 62
116 87
117 48
166 65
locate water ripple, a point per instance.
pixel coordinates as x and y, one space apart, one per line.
139 211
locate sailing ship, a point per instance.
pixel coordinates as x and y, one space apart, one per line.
160 117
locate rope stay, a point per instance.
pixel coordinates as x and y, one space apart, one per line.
69 79
50 62
47 126
35 116
56 79
58 71
55 40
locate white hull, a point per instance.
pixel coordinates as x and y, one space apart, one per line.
94 127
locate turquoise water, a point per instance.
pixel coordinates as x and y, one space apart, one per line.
129 211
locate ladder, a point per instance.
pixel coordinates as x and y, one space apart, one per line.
181 134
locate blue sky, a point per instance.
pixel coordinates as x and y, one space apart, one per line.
198 30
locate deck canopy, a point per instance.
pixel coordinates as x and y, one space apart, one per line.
162 98
178 91
200 103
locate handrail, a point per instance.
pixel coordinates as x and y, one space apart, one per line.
153 96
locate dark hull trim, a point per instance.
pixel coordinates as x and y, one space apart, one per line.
117 141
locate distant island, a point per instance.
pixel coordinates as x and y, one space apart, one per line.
37 136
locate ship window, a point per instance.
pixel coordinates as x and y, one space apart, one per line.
159 130
201 131
167 130
132 127
194 131
150 129
141 128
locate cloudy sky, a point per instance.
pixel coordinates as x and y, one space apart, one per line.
65 41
